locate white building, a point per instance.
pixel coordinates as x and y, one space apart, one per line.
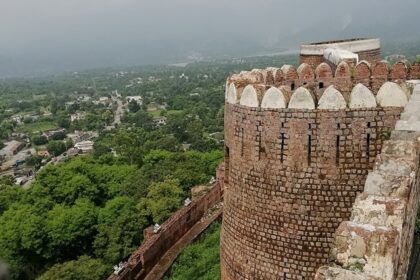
137 99
84 146
160 121
77 116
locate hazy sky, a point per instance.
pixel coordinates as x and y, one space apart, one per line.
72 34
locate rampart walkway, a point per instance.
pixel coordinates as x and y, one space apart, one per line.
166 261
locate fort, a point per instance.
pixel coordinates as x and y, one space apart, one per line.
299 146
321 169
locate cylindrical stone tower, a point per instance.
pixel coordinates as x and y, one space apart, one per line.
293 166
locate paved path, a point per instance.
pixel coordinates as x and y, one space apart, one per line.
166 261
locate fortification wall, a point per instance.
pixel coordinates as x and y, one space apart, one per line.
295 163
156 245
367 49
376 242
293 177
344 78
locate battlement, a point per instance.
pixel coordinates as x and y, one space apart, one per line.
299 144
361 86
376 242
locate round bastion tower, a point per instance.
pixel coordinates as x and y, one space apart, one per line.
298 146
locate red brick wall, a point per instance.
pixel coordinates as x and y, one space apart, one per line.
343 80
370 55
415 71
362 74
312 60
400 71
380 74
148 254
287 190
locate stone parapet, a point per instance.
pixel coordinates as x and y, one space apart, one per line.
370 86
376 242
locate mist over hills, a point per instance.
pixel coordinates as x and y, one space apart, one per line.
46 36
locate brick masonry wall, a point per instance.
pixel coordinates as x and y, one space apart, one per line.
148 254
376 242
371 56
344 77
291 178
312 60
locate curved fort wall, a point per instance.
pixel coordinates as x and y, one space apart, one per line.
295 162
376 242
368 49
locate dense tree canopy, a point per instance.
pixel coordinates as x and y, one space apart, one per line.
92 207
84 268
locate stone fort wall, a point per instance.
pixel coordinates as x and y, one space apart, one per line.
376 242
295 161
317 79
293 177
156 245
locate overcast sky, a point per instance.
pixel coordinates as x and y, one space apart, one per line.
77 34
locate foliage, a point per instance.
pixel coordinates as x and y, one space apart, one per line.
56 147
84 268
162 200
200 260
189 168
34 161
85 207
118 229
59 135
71 229
133 106
38 127
39 139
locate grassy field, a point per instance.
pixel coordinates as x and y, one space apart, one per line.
156 114
37 126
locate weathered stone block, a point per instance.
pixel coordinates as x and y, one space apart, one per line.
379 211
367 248
338 273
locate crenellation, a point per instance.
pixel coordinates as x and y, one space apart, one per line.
312 179
390 94
400 71
363 73
387 210
270 166
343 79
380 74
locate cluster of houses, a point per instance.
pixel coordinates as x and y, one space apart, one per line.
15 152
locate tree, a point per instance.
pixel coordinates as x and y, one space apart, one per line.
84 268
63 122
34 161
59 135
204 254
22 240
9 193
127 144
133 106
162 200
39 140
56 147
118 229
70 230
